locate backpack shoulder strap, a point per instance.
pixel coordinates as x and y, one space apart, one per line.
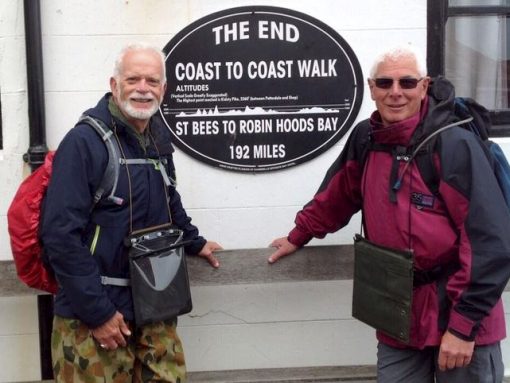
426 165
473 117
368 144
111 173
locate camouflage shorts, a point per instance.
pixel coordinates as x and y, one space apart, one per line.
154 353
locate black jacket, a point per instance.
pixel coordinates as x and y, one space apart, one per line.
82 244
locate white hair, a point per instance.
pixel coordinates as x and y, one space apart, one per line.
399 52
117 69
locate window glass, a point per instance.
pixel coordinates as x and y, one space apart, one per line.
477 58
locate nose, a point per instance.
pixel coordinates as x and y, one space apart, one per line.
142 86
395 88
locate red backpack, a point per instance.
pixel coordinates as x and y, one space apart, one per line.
24 213
23 224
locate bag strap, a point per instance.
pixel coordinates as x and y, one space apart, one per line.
122 282
475 119
159 164
398 183
115 151
111 173
427 167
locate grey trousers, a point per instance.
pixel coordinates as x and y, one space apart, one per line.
420 366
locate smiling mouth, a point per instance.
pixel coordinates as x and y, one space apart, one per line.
142 100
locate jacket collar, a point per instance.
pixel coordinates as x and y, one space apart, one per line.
399 133
437 110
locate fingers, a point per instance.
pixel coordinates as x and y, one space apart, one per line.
124 329
119 339
113 342
107 342
118 331
276 255
451 362
276 243
441 361
273 257
123 332
111 334
466 362
283 248
454 352
207 253
282 251
213 261
215 246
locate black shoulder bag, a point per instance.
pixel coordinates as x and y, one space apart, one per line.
159 277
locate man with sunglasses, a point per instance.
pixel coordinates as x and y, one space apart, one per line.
458 235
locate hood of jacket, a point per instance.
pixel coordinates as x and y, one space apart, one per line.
441 108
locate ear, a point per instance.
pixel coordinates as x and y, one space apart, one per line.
371 85
113 85
425 86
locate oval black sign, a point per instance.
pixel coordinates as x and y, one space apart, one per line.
259 88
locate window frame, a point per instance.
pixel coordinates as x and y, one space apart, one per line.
1 125
438 12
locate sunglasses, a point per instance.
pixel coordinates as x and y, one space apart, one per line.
404 82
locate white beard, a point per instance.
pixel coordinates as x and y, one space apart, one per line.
139 114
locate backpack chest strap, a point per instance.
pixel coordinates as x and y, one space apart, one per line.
398 154
112 281
159 164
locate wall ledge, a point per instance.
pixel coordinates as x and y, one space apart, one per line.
238 267
244 266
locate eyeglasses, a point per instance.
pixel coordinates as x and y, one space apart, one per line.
404 82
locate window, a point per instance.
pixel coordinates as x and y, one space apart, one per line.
468 41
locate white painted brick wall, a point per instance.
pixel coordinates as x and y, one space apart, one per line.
80 42
249 326
235 327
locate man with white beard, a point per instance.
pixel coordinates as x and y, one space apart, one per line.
95 337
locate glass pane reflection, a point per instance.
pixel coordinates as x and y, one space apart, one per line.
477 58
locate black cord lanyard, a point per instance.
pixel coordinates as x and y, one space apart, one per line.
126 162
364 186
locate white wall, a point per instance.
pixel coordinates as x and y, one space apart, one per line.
280 325
80 42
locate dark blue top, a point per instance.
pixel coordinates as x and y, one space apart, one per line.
81 244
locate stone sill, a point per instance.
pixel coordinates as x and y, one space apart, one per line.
245 266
